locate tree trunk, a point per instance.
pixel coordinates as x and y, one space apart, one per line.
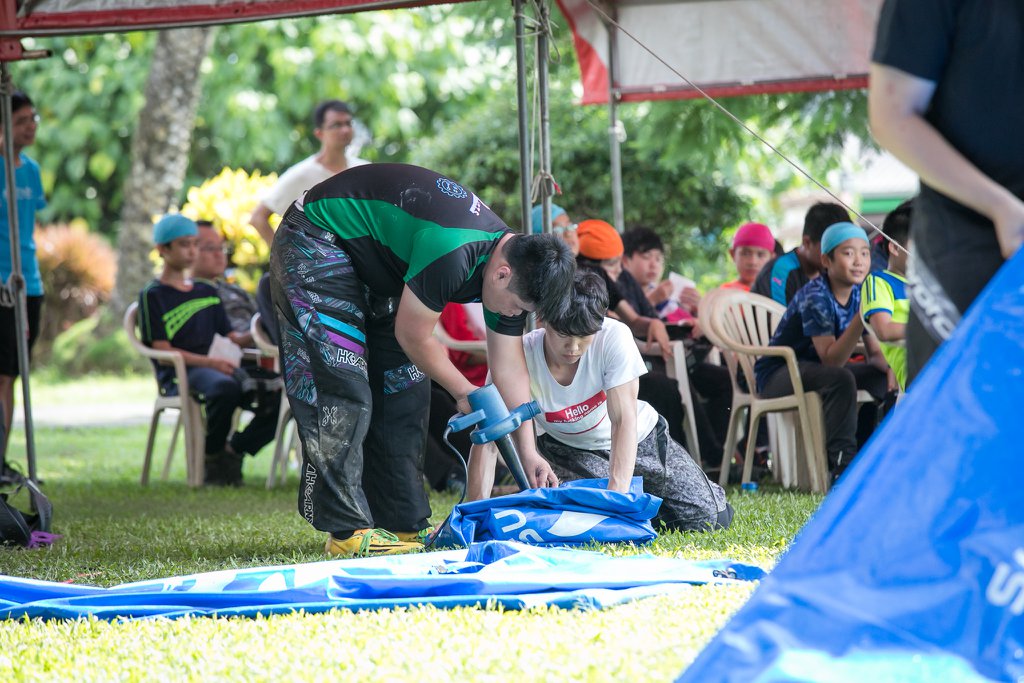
160 153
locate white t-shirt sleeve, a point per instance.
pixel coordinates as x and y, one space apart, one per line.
297 179
622 359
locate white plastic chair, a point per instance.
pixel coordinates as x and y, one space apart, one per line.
675 368
190 414
285 435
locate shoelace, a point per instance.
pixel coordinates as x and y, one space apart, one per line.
368 539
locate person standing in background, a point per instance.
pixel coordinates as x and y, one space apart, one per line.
30 199
946 98
334 128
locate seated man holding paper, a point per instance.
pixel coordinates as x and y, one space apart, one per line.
584 371
177 313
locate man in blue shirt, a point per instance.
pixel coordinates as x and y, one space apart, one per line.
784 275
822 324
24 122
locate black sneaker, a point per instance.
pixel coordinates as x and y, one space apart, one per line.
223 469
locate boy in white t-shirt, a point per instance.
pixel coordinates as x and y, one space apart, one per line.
584 371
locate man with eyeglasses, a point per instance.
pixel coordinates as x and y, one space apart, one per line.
210 264
30 199
334 129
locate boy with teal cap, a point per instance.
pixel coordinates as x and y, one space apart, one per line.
178 313
822 324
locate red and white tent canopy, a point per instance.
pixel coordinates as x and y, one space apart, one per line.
22 18
727 47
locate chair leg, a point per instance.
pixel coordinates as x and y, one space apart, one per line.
748 457
281 446
818 481
150 439
690 427
195 436
732 436
174 442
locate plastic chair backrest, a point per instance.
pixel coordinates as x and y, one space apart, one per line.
745 323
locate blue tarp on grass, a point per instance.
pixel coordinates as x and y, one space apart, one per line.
509 574
913 568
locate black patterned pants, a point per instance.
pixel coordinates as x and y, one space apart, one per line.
360 404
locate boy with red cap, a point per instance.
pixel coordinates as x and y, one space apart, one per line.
752 246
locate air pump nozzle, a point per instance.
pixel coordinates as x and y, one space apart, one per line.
494 422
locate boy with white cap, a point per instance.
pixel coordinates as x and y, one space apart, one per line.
822 324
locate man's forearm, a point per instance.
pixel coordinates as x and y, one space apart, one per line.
622 462
431 357
482 459
260 219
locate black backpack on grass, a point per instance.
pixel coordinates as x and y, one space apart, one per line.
25 529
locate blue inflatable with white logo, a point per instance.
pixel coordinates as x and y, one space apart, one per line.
575 513
913 568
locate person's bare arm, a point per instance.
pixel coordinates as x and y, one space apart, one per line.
482 458
622 415
642 327
896 105
885 329
512 378
243 339
260 219
197 360
414 329
836 352
874 353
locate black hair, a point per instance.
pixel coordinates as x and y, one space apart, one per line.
586 309
897 224
779 249
19 100
320 113
820 216
640 239
542 271
204 223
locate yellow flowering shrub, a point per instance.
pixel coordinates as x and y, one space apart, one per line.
228 199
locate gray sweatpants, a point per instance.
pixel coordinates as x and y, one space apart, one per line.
690 501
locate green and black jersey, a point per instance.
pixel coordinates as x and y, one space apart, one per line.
406 225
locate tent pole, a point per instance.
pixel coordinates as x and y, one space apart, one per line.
613 133
525 164
16 284
544 172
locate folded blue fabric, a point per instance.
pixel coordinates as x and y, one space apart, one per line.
510 575
575 513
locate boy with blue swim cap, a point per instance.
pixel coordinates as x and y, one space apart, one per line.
822 324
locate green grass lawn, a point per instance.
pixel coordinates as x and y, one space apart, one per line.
115 531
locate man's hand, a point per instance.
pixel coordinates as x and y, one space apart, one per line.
1009 222
657 334
538 471
221 365
689 299
661 293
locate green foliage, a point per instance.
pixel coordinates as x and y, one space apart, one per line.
79 352
88 95
407 73
77 268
